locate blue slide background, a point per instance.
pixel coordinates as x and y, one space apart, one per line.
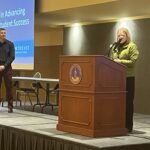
17 17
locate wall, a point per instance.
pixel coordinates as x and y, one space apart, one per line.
51 5
95 39
90 39
48 37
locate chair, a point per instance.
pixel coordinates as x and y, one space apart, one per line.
28 91
37 75
54 91
51 91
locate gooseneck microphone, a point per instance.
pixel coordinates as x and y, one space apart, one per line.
116 44
113 46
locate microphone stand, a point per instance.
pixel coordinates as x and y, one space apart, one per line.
110 48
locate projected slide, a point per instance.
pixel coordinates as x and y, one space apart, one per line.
17 17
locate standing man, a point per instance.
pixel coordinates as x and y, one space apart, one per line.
7 55
126 52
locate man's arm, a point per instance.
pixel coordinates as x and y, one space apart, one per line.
11 56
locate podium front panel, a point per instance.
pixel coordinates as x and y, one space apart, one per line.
86 66
76 109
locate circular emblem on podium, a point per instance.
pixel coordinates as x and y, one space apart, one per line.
75 74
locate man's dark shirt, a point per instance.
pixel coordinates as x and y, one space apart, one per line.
7 53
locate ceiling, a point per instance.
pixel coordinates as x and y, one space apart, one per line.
104 12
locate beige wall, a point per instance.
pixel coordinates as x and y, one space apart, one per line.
53 5
49 37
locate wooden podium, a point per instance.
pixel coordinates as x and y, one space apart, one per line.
92 96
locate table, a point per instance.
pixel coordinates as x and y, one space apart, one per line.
47 80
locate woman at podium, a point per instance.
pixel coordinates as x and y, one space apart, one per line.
124 51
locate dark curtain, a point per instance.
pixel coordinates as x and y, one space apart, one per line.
16 139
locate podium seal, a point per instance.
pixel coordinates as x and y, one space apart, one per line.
75 74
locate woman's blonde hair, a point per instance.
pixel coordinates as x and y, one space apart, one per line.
126 31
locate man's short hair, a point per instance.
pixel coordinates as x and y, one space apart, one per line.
2 29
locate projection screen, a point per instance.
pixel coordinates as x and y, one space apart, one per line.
17 17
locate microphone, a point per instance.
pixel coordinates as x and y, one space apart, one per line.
116 44
119 41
